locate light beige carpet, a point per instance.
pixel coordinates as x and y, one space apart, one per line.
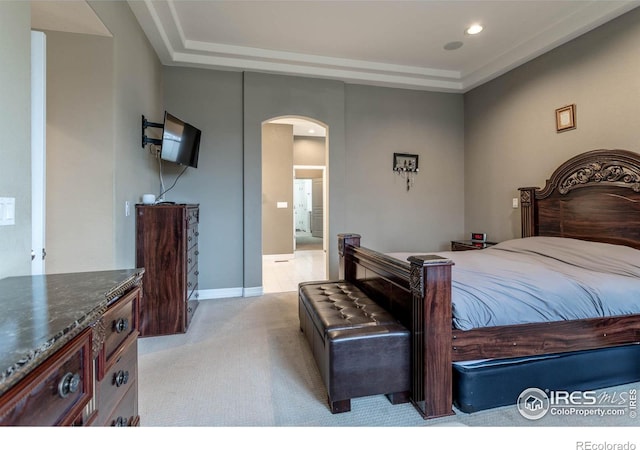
245 363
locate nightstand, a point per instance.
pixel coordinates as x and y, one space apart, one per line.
458 246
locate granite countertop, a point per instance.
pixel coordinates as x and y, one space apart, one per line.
41 313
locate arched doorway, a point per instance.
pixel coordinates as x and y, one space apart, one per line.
294 202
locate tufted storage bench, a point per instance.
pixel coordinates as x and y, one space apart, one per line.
360 348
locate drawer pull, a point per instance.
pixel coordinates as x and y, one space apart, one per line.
120 377
121 325
69 384
121 422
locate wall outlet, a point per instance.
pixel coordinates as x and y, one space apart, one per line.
127 209
514 202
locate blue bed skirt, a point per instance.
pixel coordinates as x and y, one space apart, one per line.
498 382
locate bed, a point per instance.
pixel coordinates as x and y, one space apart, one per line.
591 203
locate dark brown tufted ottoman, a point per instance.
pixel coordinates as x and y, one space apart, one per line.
360 348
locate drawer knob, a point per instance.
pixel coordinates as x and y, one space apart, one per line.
121 325
120 377
69 384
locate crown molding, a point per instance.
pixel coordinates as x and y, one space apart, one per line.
160 23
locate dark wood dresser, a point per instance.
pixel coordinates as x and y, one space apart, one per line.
167 248
69 352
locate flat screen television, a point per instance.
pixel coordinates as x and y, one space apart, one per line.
180 141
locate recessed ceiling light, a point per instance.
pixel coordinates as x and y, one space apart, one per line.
311 130
474 29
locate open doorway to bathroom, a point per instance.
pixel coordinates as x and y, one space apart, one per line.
308 207
294 206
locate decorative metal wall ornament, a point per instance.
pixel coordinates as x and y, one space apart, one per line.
406 166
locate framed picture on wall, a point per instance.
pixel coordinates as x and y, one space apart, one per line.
566 118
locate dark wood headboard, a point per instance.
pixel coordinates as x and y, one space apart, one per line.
593 196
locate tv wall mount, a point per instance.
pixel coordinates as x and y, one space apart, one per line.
146 140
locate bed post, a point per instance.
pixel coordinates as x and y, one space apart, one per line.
431 334
347 269
528 211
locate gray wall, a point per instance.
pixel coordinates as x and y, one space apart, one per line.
15 127
100 88
80 156
378 122
383 121
277 186
137 91
271 96
132 72
510 135
309 151
508 140
211 101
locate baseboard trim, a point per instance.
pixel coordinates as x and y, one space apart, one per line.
253 291
206 294
210 294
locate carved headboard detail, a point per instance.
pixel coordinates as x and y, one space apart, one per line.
592 196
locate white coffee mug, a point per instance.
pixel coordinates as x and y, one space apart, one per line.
148 199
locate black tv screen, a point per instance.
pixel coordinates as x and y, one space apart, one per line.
180 141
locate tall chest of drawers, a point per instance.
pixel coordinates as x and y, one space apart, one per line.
167 248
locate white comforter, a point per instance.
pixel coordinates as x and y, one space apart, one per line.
542 279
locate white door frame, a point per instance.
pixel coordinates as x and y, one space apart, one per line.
38 149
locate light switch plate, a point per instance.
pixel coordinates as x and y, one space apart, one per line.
7 211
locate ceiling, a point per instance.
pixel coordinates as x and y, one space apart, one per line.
68 16
386 43
391 43
381 42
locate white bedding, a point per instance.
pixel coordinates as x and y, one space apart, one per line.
542 279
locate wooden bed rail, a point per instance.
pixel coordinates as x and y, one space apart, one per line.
425 285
